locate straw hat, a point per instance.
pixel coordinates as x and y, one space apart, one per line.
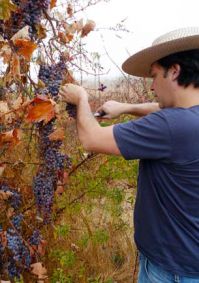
175 41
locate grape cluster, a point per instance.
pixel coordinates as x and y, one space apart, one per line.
52 76
35 238
16 221
45 182
20 253
29 12
43 188
15 197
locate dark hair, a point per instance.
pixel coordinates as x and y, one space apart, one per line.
189 65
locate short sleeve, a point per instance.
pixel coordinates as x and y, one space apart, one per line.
145 138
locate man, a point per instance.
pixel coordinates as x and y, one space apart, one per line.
166 140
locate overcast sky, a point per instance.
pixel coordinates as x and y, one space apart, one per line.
145 19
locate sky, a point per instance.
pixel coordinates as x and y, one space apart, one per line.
145 19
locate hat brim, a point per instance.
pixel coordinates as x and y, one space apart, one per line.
140 63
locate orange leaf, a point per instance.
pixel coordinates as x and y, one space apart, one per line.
53 3
62 37
11 137
69 37
40 109
57 135
25 47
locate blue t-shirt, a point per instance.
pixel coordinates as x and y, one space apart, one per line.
166 214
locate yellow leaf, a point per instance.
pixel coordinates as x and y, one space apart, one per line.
6 8
25 48
40 109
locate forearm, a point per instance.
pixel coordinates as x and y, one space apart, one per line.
87 125
140 109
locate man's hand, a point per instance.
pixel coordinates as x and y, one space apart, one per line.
72 94
112 109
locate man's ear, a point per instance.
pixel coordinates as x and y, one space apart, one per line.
175 71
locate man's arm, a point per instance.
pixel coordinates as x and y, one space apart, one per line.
92 136
114 109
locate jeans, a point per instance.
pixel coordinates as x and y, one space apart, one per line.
151 273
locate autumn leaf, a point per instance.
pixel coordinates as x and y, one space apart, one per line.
60 190
6 53
40 109
70 10
6 8
2 168
53 3
62 37
21 34
15 71
25 48
88 27
5 195
42 247
65 38
57 135
3 240
39 270
41 31
11 138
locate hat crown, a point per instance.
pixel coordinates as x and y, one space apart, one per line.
176 34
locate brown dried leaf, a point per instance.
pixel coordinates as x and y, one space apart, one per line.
2 168
88 27
22 34
53 3
42 247
3 237
39 270
15 71
70 10
57 135
59 190
41 31
25 48
5 195
40 109
11 137
10 212
6 53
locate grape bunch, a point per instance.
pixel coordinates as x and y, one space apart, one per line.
28 12
15 197
52 76
20 253
43 188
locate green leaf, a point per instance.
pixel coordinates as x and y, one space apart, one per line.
6 8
